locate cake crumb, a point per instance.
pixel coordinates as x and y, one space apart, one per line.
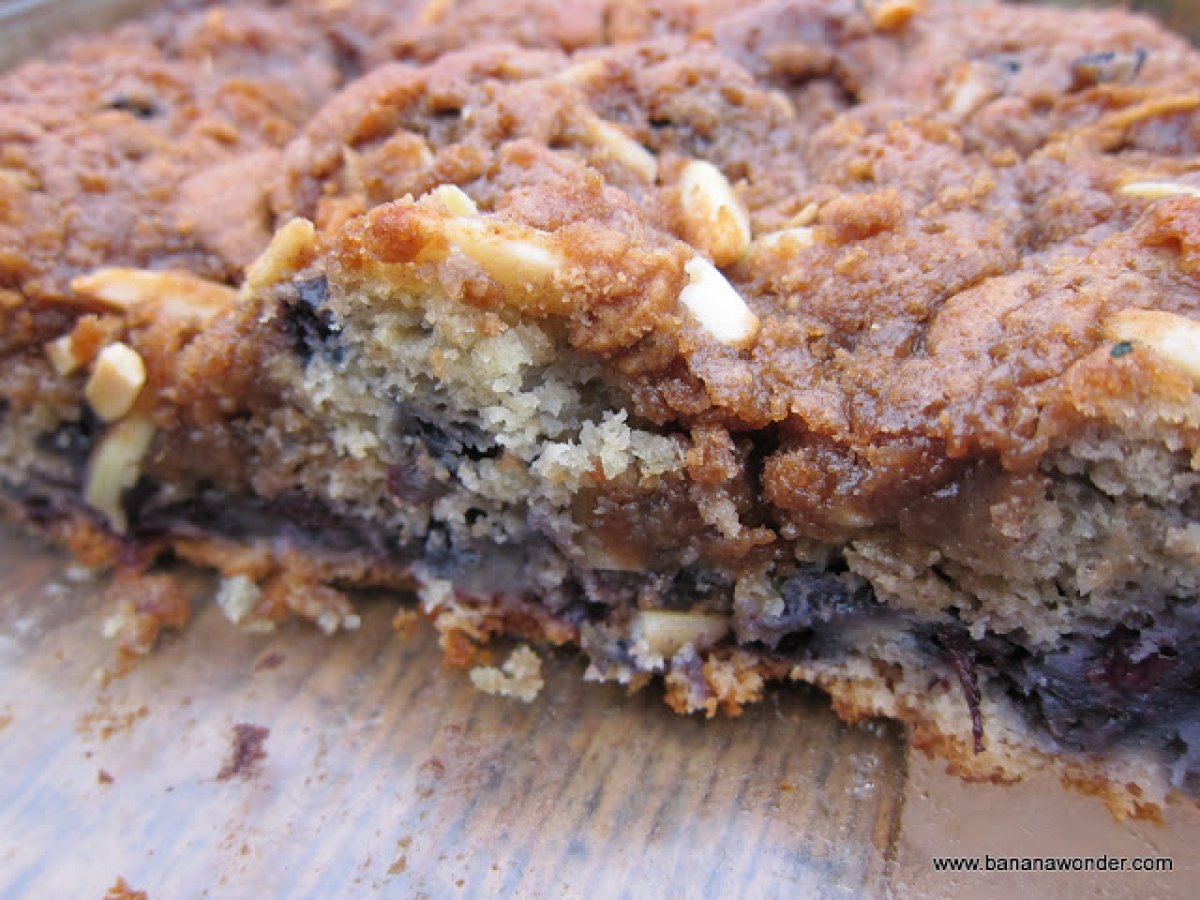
520 677
105 721
400 863
406 622
122 891
103 777
142 605
246 753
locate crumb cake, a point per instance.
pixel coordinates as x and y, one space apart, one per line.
854 343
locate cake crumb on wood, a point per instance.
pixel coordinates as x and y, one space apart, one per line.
122 891
519 678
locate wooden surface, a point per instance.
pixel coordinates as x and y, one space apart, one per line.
386 775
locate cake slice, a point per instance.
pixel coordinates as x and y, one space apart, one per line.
851 344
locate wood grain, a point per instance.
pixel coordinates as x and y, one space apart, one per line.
944 816
386 773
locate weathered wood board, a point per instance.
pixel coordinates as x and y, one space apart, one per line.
386 774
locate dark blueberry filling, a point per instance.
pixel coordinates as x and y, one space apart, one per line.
43 500
695 586
445 555
1136 683
72 441
294 517
445 440
429 441
813 599
53 493
143 107
1092 693
609 649
308 319
1129 684
411 483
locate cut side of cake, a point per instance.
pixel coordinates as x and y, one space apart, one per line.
855 344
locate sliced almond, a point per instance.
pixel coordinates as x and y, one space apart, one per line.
665 633
974 85
523 260
1173 337
291 249
455 200
115 467
123 290
782 104
805 217
787 240
21 179
714 221
621 148
719 309
584 74
887 15
116 381
62 355
1158 190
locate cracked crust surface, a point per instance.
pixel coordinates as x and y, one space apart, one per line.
904 440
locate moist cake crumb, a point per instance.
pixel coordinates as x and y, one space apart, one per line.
520 677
